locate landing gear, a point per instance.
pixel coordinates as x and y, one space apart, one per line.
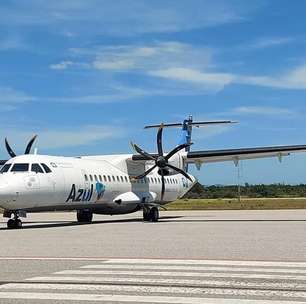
14 223
151 214
84 216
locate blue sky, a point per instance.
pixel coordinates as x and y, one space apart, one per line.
88 75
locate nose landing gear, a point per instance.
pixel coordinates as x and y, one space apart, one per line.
14 223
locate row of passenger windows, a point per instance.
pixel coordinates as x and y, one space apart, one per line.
125 179
23 167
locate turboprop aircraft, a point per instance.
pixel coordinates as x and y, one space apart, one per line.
111 184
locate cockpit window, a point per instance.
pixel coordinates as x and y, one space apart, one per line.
5 168
36 168
20 168
47 169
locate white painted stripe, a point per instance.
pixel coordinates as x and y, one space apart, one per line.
163 261
129 298
53 258
158 289
205 262
190 282
183 274
196 267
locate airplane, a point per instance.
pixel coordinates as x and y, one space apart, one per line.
112 184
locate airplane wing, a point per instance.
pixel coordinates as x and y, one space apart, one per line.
210 156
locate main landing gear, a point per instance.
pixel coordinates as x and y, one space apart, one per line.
14 223
84 216
150 214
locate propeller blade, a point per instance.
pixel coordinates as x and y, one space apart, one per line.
9 149
177 149
180 171
146 173
141 152
30 144
163 186
159 140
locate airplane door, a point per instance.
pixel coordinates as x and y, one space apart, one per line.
85 177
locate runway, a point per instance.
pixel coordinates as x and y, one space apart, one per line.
187 257
165 281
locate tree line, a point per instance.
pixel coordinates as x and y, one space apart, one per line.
247 190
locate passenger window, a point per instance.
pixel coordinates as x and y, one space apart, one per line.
118 180
109 178
36 168
126 179
100 178
104 178
86 178
121 177
47 169
5 168
114 179
20 168
90 176
96 178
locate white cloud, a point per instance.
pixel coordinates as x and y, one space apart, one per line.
61 138
146 57
292 79
213 81
268 42
267 111
124 17
61 66
10 97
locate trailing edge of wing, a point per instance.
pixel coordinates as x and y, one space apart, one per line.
240 154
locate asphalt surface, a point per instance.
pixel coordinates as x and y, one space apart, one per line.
187 257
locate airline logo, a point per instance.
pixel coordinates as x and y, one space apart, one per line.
85 195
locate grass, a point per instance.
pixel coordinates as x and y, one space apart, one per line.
234 204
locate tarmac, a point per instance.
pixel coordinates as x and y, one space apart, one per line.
187 257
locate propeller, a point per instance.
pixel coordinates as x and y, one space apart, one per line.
27 150
161 160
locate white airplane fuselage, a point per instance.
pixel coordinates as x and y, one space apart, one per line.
99 183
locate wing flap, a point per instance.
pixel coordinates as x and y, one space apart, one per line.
241 154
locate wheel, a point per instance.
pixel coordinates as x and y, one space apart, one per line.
154 214
10 224
84 216
146 215
18 223
14 224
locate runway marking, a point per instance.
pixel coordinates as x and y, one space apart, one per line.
168 281
110 260
129 298
204 262
181 274
227 268
156 289
181 282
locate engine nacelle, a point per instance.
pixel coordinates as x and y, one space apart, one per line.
177 161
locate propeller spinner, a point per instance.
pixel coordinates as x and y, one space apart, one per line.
161 161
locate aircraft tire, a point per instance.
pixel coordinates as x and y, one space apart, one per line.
154 214
14 224
146 215
11 224
84 216
18 223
